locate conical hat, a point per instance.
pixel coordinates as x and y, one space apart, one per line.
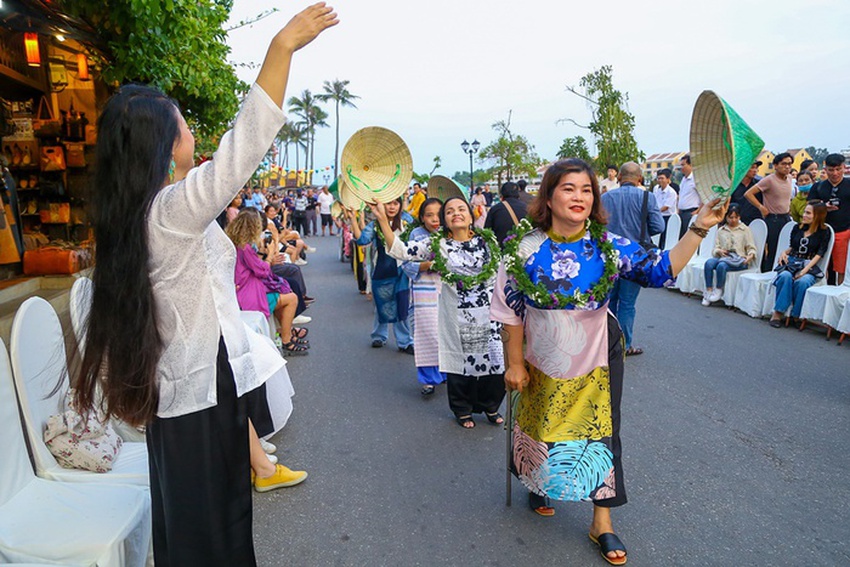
376 165
333 188
442 187
348 199
723 147
336 209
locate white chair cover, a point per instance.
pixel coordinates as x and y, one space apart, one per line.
39 363
279 390
45 522
759 230
770 296
674 225
843 325
752 288
826 303
691 275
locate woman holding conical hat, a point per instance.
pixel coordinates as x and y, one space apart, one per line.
390 285
425 291
552 294
470 348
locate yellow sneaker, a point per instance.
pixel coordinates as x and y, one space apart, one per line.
281 478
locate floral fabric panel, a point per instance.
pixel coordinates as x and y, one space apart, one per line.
564 343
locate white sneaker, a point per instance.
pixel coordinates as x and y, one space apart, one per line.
310 249
301 320
300 262
705 296
715 295
272 458
269 448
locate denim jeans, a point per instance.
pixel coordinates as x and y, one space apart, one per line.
713 265
401 330
789 290
622 305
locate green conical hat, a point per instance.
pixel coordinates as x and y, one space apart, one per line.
723 147
441 187
333 189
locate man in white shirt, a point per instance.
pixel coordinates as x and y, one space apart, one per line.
667 199
325 202
609 182
689 200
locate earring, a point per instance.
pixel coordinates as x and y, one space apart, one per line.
587 224
171 167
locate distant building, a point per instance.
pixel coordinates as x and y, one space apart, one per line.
657 162
766 167
800 155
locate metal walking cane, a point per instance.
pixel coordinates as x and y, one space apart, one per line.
509 444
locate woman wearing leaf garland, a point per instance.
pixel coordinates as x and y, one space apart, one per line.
552 292
390 286
425 291
469 343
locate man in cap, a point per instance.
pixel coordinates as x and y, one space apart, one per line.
624 206
835 192
776 189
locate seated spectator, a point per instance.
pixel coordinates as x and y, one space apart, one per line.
233 208
257 288
734 250
288 241
798 203
798 269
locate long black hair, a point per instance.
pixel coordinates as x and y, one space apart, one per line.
136 135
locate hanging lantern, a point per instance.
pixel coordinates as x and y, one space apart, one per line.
31 48
82 67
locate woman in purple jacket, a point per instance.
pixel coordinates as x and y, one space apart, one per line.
257 288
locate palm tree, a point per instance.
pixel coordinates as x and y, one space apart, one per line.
337 91
311 115
299 138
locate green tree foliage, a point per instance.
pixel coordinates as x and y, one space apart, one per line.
480 176
311 116
612 125
424 177
337 91
818 154
574 147
176 45
511 154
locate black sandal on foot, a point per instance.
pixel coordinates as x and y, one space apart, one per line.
634 351
300 332
495 418
540 504
293 348
607 543
427 390
462 421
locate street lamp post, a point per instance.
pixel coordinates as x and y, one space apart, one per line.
470 149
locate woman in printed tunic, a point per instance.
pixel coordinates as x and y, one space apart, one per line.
390 286
566 443
469 343
425 291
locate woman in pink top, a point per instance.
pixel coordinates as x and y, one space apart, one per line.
257 288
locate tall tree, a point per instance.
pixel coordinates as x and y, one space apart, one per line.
818 154
574 147
424 177
337 91
612 125
512 153
479 176
311 115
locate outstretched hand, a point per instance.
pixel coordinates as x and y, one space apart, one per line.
305 26
710 214
378 210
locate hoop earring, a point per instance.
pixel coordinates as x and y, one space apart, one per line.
171 167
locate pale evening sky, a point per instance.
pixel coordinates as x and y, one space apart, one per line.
442 71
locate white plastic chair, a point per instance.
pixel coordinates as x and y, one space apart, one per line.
759 230
843 325
674 225
691 275
752 288
39 363
42 521
80 306
826 303
770 296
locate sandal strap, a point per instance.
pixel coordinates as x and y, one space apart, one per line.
609 542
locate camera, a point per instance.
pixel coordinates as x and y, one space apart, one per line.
267 237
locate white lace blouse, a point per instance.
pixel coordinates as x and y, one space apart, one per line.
192 265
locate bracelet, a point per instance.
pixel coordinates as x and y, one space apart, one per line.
698 230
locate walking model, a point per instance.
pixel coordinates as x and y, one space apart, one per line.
390 285
164 319
425 289
469 343
552 291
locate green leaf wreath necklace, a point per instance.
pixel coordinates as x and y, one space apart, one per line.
466 282
545 298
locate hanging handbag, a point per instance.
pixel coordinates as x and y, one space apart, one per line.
52 158
75 155
45 124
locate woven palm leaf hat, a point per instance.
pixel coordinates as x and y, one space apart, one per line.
723 147
336 210
347 197
376 165
442 187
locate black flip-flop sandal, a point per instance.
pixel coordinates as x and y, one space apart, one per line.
494 418
634 351
607 543
462 421
427 390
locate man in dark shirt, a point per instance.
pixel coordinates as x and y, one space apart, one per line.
499 218
835 192
749 212
523 196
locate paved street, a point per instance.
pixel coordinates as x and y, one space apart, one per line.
735 438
